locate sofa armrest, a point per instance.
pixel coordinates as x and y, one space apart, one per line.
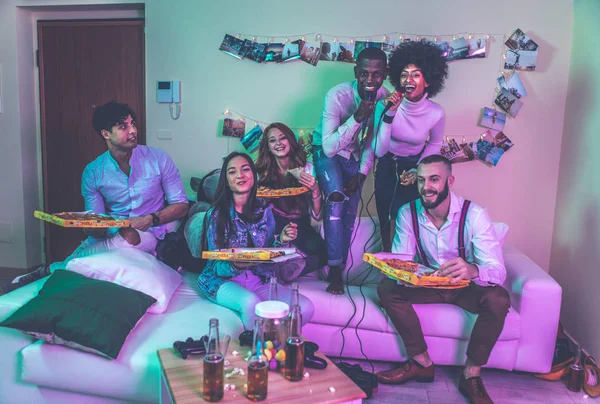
11 302
537 298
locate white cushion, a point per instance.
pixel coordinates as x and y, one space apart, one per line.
501 230
132 269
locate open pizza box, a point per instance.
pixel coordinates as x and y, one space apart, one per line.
415 275
257 255
81 219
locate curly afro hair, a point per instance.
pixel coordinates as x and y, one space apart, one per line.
425 55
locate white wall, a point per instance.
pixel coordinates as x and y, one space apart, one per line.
521 191
181 44
576 242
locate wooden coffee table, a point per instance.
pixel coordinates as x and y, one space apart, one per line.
181 381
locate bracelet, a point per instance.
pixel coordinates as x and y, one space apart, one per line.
388 118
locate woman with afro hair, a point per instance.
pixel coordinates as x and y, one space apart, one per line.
410 130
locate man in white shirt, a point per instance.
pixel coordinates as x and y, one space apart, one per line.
438 213
343 156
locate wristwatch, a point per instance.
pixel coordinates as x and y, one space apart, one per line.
155 219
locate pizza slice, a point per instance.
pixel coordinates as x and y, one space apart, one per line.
296 172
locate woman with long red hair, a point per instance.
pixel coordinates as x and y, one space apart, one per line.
278 153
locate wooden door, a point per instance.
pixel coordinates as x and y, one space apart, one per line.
83 64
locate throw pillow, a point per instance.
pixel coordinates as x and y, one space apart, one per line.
82 313
132 269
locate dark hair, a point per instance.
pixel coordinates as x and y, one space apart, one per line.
224 199
437 158
108 115
266 165
427 57
371 54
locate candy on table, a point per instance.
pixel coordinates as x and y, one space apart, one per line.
227 363
269 344
273 364
332 389
268 354
280 355
235 353
306 375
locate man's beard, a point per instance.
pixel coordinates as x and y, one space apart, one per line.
441 197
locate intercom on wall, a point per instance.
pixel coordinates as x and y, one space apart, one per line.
168 91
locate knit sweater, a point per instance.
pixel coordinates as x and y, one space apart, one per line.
413 123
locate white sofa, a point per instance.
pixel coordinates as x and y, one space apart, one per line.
37 372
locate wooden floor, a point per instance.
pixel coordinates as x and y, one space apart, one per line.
502 386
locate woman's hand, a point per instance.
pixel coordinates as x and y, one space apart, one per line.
311 183
408 178
395 98
289 232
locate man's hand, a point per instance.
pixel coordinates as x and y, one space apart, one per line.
395 98
458 269
141 223
364 111
353 185
289 232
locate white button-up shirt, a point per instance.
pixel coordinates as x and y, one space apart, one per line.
481 244
338 132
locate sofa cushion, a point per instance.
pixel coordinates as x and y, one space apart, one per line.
366 238
132 269
134 375
88 314
437 320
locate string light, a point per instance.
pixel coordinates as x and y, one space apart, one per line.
302 131
303 38
487 36
335 39
238 36
271 40
454 37
286 40
418 37
470 36
227 112
351 40
385 38
464 140
368 39
253 39
400 37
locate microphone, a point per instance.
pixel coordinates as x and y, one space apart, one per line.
390 104
369 96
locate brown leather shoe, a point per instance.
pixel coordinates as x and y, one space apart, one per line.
474 390
409 370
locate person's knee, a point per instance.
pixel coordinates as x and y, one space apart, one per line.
336 196
130 235
498 300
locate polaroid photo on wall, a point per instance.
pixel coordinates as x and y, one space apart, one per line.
329 51
257 52
291 50
273 52
251 140
360 45
458 49
508 102
476 47
491 147
493 119
346 53
518 40
443 45
457 153
234 127
389 47
310 53
232 46
520 60
512 83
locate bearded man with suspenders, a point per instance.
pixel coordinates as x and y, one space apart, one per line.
456 237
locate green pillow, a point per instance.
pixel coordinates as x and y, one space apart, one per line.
83 313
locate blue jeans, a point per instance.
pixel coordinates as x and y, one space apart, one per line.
390 195
332 174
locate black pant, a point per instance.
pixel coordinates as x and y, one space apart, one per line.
390 195
308 241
